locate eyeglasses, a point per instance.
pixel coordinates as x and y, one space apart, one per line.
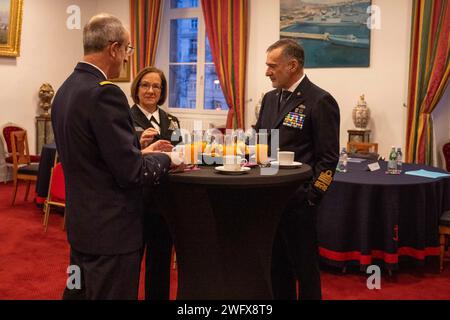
146 86
129 50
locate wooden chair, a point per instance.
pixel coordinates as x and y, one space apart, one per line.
8 160
444 233
362 147
22 167
445 153
56 192
7 130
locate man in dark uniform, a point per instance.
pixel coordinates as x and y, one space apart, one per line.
307 118
104 167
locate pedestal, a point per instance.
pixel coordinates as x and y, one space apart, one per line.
44 132
358 135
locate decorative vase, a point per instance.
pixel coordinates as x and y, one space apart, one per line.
46 94
361 114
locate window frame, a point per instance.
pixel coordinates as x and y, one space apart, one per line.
170 14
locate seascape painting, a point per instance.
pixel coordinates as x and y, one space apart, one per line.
5 6
334 33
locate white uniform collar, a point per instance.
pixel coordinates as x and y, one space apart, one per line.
295 85
148 114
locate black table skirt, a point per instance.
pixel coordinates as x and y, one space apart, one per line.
371 218
223 229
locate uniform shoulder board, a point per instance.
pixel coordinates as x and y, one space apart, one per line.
104 83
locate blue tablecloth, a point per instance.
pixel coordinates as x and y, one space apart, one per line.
372 217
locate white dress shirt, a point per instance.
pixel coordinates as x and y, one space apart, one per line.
154 115
293 87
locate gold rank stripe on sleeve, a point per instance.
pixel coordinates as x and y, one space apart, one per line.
104 83
324 180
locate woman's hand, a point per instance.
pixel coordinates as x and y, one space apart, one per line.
148 136
158 146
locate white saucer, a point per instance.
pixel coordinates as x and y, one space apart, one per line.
243 170
292 165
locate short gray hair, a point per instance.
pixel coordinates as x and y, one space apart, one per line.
100 31
291 49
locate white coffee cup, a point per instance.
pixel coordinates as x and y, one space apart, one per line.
233 163
285 157
178 155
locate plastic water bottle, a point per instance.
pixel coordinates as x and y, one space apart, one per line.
342 164
392 163
399 160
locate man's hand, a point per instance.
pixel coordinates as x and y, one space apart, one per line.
163 146
158 146
176 162
148 136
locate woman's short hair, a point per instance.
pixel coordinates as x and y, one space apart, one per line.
137 81
100 31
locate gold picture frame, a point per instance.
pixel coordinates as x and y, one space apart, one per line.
10 27
125 75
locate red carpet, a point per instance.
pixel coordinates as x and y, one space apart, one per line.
33 263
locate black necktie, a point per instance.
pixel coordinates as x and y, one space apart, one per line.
285 95
152 119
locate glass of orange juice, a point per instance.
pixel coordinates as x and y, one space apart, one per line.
191 152
188 153
262 156
230 150
229 147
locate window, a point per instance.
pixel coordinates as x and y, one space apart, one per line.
183 64
214 99
193 81
183 4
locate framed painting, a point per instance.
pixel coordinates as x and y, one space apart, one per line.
124 73
10 27
334 33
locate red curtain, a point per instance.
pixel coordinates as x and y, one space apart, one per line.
145 17
429 74
226 27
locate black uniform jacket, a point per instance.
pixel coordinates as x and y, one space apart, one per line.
102 162
168 124
309 126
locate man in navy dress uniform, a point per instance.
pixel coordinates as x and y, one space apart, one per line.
307 118
104 167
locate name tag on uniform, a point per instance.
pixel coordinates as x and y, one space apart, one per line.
294 120
139 129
